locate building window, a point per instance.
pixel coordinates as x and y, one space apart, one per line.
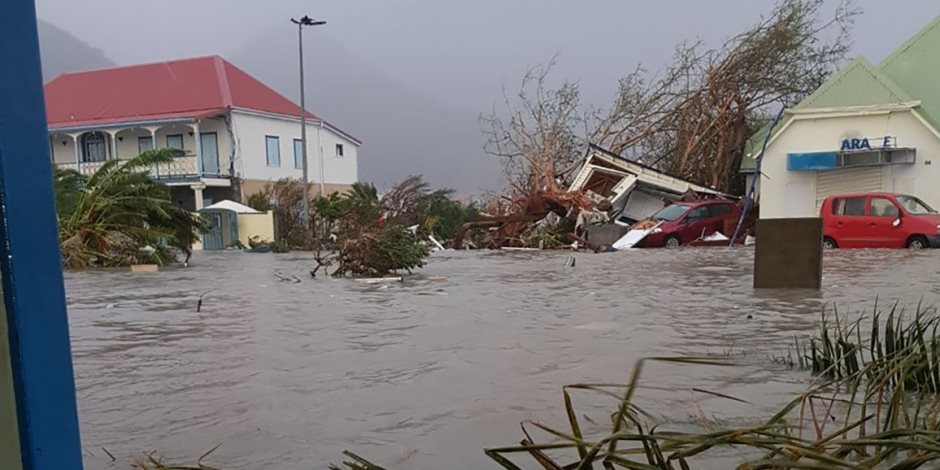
298 153
339 150
144 144
174 141
273 150
94 148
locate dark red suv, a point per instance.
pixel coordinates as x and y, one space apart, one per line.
684 222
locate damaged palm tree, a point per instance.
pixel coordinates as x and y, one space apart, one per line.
120 216
367 246
378 236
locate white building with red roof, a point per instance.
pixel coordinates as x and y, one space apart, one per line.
237 134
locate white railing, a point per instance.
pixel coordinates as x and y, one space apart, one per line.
177 168
85 168
180 167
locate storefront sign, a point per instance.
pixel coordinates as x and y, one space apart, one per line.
865 143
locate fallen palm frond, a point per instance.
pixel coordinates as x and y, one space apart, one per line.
151 461
356 463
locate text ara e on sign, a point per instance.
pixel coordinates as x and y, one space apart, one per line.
866 143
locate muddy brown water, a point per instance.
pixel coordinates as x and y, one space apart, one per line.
425 374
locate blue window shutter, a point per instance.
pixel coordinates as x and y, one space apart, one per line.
298 153
273 150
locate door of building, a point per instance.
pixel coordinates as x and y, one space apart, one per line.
209 142
212 235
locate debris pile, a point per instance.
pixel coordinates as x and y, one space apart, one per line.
545 219
607 196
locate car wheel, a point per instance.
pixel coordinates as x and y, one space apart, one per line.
917 243
829 244
673 241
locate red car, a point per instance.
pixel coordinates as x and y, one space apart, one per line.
684 222
879 220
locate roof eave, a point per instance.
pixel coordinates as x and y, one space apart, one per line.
311 118
109 125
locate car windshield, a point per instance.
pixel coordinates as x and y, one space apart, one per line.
670 213
914 206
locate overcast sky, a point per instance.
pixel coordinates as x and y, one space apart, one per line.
461 52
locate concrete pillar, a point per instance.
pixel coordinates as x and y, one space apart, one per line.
198 149
114 152
788 254
77 140
153 139
197 191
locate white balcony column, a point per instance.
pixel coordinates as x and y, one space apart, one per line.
153 140
114 153
198 151
197 192
77 141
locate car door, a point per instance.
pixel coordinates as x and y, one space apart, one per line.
849 222
882 213
719 213
695 222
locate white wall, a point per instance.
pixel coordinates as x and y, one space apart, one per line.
251 159
63 148
189 141
781 191
127 143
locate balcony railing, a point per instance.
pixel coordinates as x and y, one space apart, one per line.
180 167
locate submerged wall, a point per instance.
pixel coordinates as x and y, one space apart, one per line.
260 225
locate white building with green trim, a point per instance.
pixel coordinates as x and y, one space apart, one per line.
868 128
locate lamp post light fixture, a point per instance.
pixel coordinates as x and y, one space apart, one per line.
305 21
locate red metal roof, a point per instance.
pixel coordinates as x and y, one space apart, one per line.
180 89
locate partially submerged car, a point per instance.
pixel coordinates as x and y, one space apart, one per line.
684 222
879 220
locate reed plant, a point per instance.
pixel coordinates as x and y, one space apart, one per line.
874 405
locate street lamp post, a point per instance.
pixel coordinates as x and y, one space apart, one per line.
305 21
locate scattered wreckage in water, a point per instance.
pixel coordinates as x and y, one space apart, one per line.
612 203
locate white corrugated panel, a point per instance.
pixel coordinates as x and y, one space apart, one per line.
848 180
641 205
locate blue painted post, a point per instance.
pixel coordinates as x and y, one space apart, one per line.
33 292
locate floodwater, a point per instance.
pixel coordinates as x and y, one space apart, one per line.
426 373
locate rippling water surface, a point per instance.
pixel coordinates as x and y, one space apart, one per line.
426 373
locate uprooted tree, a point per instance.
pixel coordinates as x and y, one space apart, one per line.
691 120
360 233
